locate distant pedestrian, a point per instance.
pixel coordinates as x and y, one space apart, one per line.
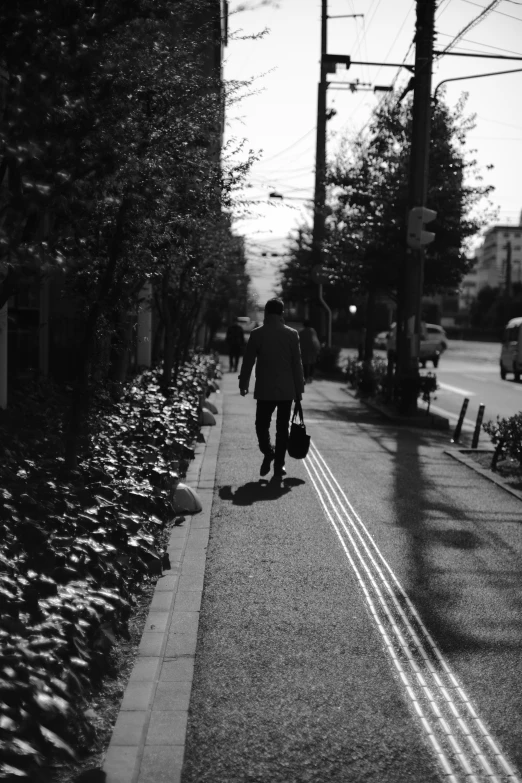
361 344
235 342
274 348
310 347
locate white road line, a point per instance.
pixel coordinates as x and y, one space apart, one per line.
405 649
456 731
456 390
429 731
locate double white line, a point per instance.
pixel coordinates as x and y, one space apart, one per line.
462 744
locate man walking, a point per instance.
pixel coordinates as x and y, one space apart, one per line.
279 381
235 341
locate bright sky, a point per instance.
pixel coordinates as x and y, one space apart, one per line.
280 119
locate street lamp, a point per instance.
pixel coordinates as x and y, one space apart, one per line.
473 76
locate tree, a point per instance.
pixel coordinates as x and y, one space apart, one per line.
111 149
368 199
369 181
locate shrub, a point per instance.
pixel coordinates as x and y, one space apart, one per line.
427 386
75 550
328 359
507 433
368 378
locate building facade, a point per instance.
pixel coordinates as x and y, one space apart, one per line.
502 245
492 269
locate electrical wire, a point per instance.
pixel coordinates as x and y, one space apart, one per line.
280 170
294 144
442 10
501 13
469 26
291 160
363 30
479 43
498 122
395 39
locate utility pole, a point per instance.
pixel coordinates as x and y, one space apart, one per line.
508 287
3 356
411 288
328 65
320 162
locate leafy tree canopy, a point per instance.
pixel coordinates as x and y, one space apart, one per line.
368 204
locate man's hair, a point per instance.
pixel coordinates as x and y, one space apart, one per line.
275 306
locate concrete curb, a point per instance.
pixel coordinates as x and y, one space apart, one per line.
431 421
148 739
460 456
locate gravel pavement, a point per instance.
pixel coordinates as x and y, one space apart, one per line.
308 642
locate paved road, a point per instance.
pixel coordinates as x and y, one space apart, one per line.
361 621
471 370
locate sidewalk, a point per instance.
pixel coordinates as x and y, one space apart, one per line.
285 663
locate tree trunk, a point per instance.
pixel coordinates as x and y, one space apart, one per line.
370 325
169 344
76 427
121 353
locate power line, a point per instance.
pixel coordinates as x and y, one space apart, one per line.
394 81
289 161
442 10
394 40
364 30
295 143
479 43
280 170
470 26
498 122
500 13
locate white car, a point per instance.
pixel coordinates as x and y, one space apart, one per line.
381 341
434 341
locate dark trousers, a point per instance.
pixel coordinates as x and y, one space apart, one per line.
308 370
265 409
233 358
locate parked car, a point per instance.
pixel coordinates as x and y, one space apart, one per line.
511 351
436 335
381 341
434 341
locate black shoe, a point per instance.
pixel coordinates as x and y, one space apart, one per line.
279 471
265 465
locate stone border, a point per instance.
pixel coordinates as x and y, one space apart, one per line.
148 739
460 456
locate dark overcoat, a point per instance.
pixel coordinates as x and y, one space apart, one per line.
274 349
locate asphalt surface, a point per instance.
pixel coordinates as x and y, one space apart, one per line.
361 620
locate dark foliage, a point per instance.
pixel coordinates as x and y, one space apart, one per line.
74 550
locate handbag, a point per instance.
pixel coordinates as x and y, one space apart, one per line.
298 440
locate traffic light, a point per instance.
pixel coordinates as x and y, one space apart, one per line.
417 217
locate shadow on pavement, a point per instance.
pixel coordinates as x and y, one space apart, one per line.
363 415
462 577
255 491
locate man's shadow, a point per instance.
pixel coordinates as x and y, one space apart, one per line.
254 491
